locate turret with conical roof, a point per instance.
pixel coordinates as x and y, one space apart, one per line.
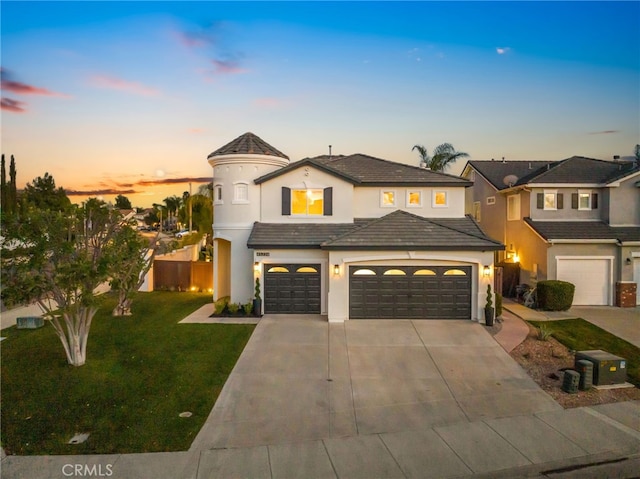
236 205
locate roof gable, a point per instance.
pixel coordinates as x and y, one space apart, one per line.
365 170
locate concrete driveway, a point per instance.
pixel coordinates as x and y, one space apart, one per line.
622 322
301 379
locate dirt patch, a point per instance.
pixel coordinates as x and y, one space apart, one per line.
545 361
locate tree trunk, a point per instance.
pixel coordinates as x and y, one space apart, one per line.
74 336
123 308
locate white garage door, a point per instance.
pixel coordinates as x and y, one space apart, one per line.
591 276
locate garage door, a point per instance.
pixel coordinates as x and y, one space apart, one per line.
292 288
410 292
591 277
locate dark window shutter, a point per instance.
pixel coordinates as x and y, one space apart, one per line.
560 201
328 202
574 201
286 201
540 200
594 201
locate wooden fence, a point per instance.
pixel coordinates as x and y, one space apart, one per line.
182 275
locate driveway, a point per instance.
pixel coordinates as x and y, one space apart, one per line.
301 379
622 322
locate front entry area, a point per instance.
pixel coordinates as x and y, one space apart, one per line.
410 292
292 288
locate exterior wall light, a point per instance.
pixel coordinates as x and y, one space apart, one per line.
336 269
256 267
486 270
516 258
628 261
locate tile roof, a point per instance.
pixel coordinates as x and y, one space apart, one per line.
584 230
574 170
417 233
362 169
248 144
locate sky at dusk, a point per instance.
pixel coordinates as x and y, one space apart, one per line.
131 97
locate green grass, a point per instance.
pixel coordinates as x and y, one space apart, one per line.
141 372
580 335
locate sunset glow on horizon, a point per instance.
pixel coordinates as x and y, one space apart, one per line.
131 97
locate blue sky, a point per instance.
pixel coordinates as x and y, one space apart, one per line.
131 97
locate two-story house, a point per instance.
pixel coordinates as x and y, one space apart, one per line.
350 237
576 220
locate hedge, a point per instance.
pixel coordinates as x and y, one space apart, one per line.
554 295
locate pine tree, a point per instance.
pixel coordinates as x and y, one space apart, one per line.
13 191
3 186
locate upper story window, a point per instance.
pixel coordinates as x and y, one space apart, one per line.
491 200
584 200
513 207
240 192
440 199
550 200
307 201
387 198
217 194
414 199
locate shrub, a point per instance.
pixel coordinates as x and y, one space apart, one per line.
248 308
498 305
220 305
555 295
489 300
233 308
543 333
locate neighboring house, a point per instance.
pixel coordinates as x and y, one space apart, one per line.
345 236
576 220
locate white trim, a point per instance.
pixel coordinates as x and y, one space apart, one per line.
588 194
617 182
411 255
544 200
477 214
635 254
491 200
565 185
610 279
217 187
582 241
516 199
235 200
247 158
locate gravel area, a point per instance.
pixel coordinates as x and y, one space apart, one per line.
545 362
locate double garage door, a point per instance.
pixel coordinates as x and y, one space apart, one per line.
410 292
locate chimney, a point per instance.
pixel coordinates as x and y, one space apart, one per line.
616 157
503 160
329 151
529 165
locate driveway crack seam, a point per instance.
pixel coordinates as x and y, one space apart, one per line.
353 400
440 372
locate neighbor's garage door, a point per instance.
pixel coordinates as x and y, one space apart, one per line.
292 288
410 292
591 277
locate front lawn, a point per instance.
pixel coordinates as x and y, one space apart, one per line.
142 371
580 335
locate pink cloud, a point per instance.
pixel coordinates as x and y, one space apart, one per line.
113 83
20 88
228 67
268 102
14 106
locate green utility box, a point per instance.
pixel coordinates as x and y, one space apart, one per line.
607 368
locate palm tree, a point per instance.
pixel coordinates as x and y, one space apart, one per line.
443 156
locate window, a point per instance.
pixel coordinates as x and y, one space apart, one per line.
387 198
240 193
454 272
584 200
365 272
513 207
550 200
217 194
491 200
306 269
424 272
307 201
414 199
394 272
278 269
477 209
440 199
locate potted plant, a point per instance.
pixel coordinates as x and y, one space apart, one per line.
257 301
488 308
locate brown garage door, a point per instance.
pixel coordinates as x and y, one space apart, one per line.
292 288
410 292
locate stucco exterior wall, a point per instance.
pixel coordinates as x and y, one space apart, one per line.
368 202
306 177
583 249
567 212
338 291
492 216
625 203
530 248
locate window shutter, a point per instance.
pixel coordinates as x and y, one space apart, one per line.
286 201
574 201
594 201
328 201
540 199
560 201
